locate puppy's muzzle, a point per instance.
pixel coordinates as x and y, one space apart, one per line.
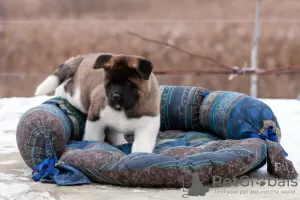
117 98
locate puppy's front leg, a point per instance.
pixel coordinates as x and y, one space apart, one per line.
94 127
145 136
94 131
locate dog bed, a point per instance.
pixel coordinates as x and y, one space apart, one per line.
224 134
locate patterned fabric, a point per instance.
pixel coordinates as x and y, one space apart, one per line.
43 131
278 165
180 107
232 115
49 135
177 155
77 119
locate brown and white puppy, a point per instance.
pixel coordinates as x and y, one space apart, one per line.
118 92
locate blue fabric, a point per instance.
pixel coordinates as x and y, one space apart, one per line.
186 139
233 115
65 175
61 174
93 145
205 94
44 169
179 108
79 144
176 143
51 171
270 135
126 148
250 115
141 160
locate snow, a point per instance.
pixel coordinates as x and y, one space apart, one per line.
8 162
288 116
16 183
11 190
137 190
4 176
11 109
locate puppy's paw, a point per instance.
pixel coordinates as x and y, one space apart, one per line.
144 141
145 137
142 147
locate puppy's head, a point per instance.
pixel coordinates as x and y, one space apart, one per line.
126 79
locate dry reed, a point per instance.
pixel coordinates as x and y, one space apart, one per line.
38 47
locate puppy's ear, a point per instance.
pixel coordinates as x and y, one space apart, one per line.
103 61
144 68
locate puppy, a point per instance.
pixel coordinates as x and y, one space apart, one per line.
118 92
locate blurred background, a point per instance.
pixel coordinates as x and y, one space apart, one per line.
38 35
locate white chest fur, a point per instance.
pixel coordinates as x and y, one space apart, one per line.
145 129
119 120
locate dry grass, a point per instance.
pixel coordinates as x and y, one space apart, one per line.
38 47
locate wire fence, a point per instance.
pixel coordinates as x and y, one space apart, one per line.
219 67
29 21
146 21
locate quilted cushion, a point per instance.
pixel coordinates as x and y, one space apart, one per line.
177 155
49 139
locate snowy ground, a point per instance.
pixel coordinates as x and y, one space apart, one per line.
16 183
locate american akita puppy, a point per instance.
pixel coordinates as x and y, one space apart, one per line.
118 92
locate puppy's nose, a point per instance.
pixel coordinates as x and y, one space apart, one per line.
116 97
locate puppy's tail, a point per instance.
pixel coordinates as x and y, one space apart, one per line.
64 72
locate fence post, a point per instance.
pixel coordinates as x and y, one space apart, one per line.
3 83
254 50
